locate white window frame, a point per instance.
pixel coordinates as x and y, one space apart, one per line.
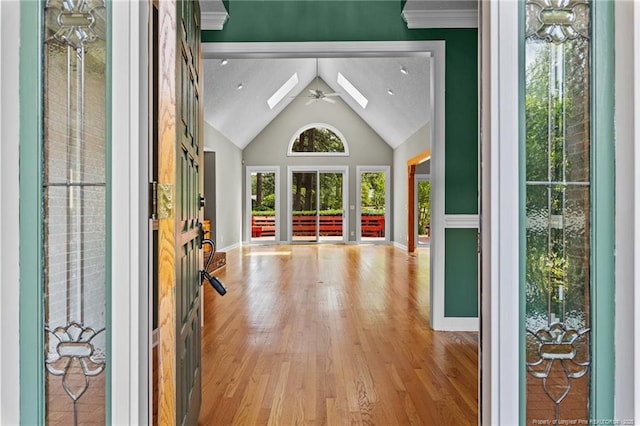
345 197
387 202
248 205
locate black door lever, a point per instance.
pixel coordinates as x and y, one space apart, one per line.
215 283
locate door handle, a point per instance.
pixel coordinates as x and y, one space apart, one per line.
204 274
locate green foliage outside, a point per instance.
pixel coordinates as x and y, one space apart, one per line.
263 191
372 190
557 150
317 139
424 207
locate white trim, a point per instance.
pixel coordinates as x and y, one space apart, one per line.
9 213
345 196
213 20
248 205
399 246
437 259
231 247
129 357
464 221
501 227
320 49
318 154
434 49
461 323
387 200
636 227
463 18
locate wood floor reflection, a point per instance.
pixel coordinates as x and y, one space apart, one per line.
331 334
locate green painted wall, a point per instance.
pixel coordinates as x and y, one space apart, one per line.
461 272
380 20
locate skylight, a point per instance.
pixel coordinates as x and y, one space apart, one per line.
355 93
283 91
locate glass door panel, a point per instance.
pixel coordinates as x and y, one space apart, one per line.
75 211
558 206
263 206
331 226
304 211
372 206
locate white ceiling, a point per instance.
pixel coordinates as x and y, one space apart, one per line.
242 114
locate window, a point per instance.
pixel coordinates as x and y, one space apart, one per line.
318 139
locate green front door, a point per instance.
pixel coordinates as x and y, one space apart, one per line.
180 157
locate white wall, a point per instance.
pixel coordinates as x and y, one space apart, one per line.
9 224
227 226
414 145
626 149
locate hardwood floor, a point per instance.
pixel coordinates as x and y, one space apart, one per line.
331 334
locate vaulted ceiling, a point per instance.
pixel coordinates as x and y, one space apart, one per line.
397 88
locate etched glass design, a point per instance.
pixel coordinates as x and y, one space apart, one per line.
74 188
558 146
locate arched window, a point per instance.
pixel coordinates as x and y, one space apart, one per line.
318 139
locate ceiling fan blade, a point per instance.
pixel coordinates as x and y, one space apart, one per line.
332 94
314 92
331 101
310 101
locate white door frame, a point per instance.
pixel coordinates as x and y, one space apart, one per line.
432 48
249 205
345 196
500 224
387 201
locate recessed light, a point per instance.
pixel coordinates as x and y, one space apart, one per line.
224 62
404 71
389 91
240 86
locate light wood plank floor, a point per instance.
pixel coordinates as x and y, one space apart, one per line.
331 334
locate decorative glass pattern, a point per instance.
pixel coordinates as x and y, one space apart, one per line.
558 204
74 203
557 20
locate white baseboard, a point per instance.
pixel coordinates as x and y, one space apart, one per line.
400 246
231 247
457 324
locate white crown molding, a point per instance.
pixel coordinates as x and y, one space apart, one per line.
463 18
213 20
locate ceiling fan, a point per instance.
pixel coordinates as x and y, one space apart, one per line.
318 94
